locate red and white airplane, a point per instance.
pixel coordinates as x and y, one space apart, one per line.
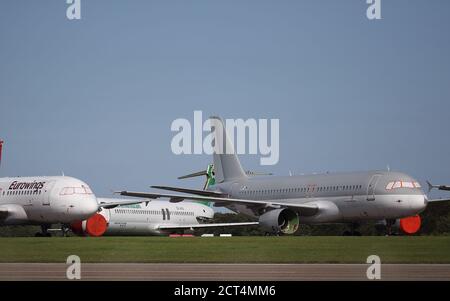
48 200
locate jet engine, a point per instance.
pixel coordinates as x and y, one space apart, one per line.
410 225
14 214
96 225
278 221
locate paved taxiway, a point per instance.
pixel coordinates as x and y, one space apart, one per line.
149 271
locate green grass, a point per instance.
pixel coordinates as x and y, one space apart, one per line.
400 249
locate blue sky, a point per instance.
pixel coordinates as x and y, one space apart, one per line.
95 98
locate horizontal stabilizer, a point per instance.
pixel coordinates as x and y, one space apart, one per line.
193 175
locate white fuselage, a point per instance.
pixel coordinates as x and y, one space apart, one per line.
45 200
146 219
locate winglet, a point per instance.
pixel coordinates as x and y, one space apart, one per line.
430 186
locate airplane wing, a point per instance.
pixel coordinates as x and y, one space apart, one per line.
440 187
303 209
438 200
200 226
191 191
110 205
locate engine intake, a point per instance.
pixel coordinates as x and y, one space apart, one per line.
410 225
16 215
278 221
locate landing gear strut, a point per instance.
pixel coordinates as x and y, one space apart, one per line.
389 224
352 231
44 233
65 230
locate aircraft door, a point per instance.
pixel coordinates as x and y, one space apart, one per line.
47 191
371 187
168 214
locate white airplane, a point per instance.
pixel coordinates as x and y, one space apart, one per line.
281 204
47 200
149 218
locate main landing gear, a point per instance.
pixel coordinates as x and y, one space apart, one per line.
389 225
44 233
65 230
352 231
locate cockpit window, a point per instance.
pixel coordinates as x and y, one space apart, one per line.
76 190
402 184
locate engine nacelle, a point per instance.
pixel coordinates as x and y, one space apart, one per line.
16 215
277 221
411 224
96 225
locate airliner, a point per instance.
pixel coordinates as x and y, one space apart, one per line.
149 218
281 204
47 200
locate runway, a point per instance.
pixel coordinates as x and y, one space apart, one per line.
222 272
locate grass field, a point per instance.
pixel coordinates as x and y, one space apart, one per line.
400 249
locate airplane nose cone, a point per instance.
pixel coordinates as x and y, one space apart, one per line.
211 213
419 204
90 206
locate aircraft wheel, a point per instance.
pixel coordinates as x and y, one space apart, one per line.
346 233
38 234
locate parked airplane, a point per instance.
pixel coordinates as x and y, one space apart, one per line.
46 200
282 203
149 218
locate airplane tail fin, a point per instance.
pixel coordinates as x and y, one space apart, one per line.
1 146
226 163
209 173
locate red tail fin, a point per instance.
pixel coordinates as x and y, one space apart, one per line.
1 145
